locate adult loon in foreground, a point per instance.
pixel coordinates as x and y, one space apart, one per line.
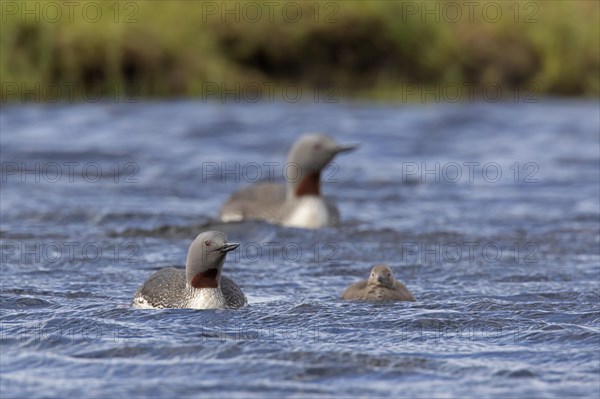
298 203
200 286
381 286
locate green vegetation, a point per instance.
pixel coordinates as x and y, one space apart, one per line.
381 49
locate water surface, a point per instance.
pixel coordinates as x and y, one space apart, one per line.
503 258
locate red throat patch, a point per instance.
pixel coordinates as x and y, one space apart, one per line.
207 279
309 185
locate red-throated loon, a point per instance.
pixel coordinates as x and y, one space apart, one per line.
298 203
200 286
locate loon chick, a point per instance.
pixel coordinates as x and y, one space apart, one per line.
299 203
381 286
200 286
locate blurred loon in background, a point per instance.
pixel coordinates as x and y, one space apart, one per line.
298 203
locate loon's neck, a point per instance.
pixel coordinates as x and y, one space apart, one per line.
207 279
308 185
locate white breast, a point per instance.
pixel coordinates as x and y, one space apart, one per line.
310 212
207 298
228 217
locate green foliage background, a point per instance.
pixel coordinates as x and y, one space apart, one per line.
365 48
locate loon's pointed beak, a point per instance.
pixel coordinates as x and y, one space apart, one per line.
229 246
346 148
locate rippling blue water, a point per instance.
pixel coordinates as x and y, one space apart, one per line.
503 258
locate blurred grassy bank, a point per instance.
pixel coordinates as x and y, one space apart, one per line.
53 50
